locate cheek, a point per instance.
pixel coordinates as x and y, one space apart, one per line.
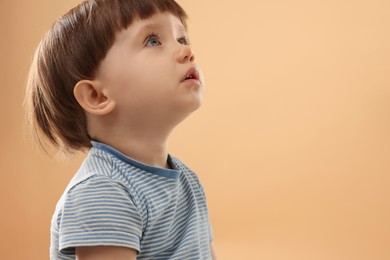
142 79
155 78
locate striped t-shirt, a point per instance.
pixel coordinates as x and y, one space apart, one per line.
114 200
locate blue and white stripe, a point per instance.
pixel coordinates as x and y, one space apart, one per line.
117 201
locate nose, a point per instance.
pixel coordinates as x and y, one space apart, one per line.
185 54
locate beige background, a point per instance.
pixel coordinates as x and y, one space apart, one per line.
292 143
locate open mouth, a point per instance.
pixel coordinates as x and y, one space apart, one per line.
192 74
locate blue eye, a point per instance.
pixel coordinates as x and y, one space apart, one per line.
152 41
184 41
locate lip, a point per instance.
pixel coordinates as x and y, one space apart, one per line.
191 75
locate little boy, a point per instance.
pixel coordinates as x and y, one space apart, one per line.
114 77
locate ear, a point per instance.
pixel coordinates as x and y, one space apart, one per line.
89 94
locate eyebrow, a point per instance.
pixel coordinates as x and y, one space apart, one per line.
149 26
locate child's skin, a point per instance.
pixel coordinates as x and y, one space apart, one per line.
138 95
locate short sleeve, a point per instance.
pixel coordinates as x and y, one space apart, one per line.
99 212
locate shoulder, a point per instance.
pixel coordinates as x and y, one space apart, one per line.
100 177
180 165
100 168
188 173
98 181
96 193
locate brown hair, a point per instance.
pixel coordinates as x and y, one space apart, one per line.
71 51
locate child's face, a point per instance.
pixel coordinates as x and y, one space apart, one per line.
150 71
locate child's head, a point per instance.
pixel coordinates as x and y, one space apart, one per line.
72 51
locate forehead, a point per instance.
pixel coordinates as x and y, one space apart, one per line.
158 21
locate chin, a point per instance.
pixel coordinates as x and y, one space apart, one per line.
184 110
196 104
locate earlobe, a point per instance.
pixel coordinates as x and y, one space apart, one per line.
90 96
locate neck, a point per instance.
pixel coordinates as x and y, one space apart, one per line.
148 145
147 149
144 139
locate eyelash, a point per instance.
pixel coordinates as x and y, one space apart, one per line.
152 36
185 40
182 40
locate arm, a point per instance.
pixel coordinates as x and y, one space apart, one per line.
95 218
214 256
105 252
